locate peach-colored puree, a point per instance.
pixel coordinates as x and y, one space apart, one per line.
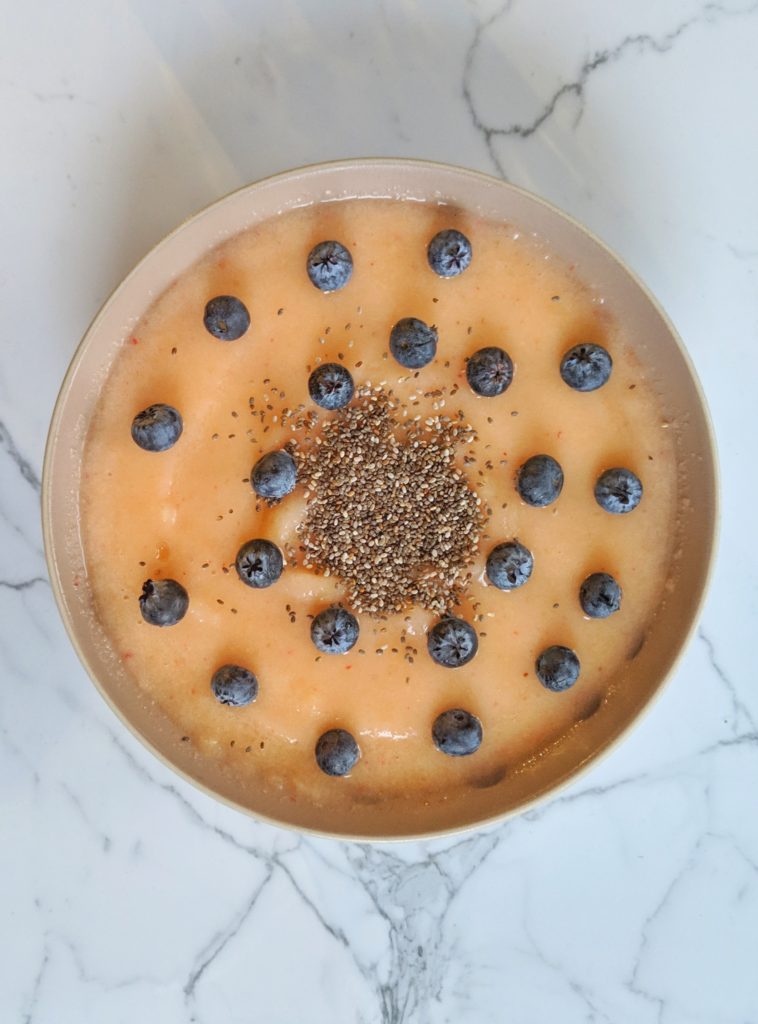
185 512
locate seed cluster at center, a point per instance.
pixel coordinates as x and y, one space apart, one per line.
388 511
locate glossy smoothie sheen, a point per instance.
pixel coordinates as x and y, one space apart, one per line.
184 513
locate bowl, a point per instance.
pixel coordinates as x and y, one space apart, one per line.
659 349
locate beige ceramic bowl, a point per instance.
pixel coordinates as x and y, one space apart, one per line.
659 349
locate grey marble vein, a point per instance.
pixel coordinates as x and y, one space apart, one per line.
707 838
90 978
171 790
639 43
25 468
104 840
36 986
468 64
742 254
745 739
585 793
731 841
273 860
414 935
586 997
633 982
218 944
22 535
394 996
51 97
335 932
415 900
19 585
739 708
37 607
19 755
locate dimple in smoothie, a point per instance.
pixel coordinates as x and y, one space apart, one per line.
377 502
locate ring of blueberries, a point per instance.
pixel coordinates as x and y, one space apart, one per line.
274 475
337 752
234 685
334 631
489 372
509 565
259 563
413 343
157 428
451 642
226 318
330 266
457 732
331 386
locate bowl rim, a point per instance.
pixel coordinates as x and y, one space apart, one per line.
543 797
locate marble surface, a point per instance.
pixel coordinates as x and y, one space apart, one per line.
128 896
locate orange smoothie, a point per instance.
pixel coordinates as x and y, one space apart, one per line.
184 513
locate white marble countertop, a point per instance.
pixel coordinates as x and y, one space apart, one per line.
129 896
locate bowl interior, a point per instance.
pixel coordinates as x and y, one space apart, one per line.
657 346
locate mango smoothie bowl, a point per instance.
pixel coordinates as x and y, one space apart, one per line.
379 499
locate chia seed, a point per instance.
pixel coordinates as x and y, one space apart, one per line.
388 511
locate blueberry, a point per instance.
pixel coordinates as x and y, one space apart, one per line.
600 595
540 481
226 318
449 253
413 343
163 602
452 642
586 367
457 732
489 371
337 752
334 631
329 266
331 386
618 490
557 668
509 565
274 475
234 685
259 563
157 428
